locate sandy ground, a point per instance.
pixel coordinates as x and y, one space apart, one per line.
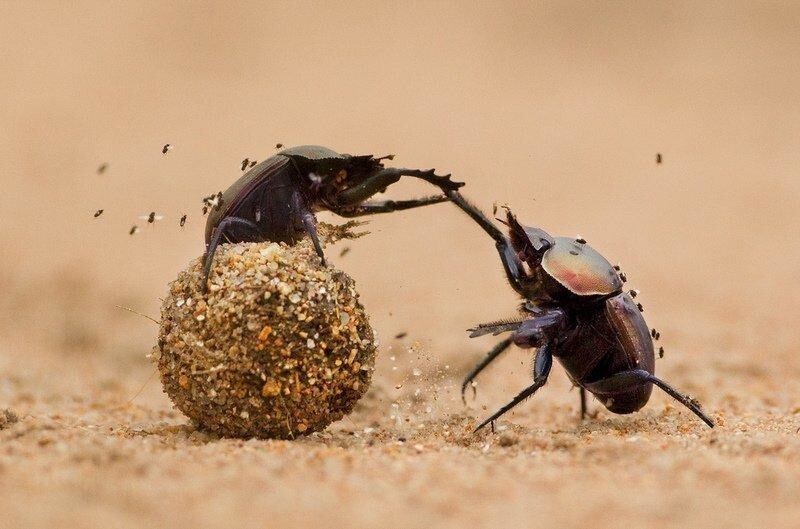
557 109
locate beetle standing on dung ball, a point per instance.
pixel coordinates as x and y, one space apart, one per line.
575 311
276 200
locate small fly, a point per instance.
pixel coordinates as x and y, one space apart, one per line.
658 158
245 163
134 230
98 213
166 148
183 221
279 146
102 168
213 200
152 217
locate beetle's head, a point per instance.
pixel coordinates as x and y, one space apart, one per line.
359 168
529 243
329 175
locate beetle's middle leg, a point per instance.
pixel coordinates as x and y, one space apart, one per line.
541 370
246 230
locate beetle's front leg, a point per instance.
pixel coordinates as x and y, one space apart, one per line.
379 181
511 263
388 206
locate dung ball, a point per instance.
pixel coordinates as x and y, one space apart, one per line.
279 346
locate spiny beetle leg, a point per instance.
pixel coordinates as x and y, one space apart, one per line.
388 206
541 370
496 351
379 181
226 227
443 182
494 328
625 380
511 264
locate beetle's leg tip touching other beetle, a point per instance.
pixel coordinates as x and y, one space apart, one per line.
443 182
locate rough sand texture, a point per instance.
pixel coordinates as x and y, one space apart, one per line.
557 109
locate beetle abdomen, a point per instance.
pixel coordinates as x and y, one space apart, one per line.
580 268
632 331
636 348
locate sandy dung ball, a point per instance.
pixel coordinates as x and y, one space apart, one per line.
278 347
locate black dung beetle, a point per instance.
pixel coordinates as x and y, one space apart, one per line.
574 310
276 200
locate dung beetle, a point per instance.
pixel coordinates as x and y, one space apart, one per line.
573 309
276 199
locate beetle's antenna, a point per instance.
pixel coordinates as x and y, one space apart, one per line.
139 392
139 314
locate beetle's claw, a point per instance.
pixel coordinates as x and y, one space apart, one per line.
443 181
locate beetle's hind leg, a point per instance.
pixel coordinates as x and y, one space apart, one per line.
626 380
235 229
496 351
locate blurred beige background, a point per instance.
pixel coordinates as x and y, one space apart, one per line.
557 109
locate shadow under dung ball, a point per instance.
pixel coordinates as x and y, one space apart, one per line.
278 347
